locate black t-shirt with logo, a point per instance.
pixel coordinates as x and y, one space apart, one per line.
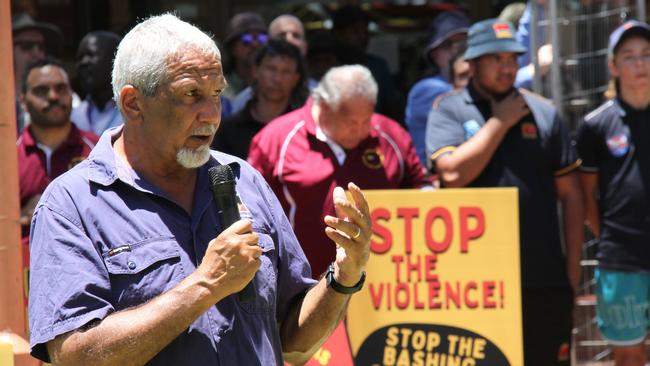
532 154
614 142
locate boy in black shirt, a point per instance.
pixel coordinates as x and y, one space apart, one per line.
614 144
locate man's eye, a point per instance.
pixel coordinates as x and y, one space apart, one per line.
217 93
40 91
192 93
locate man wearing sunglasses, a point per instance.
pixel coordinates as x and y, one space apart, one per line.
31 42
246 34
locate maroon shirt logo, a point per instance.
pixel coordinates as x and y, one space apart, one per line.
372 159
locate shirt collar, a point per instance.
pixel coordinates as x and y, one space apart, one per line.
73 139
624 109
105 168
338 151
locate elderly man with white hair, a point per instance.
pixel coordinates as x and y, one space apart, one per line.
334 138
131 263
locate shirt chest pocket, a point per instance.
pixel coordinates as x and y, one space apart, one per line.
142 270
265 280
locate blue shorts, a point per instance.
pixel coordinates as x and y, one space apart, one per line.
622 311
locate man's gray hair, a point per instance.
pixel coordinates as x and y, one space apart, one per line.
344 82
143 55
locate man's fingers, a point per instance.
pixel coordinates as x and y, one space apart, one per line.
352 230
240 227
345 242
345 210
254 251
359 199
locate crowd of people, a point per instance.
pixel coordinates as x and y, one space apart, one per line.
131 262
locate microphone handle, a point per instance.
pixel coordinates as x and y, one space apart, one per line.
229 214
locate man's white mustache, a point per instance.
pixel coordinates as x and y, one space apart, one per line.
205 130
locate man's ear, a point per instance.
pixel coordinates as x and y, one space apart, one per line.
613 70
472 67
131 103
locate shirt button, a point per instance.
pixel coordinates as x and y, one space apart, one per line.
131 264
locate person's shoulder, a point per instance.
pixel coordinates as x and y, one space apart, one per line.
385 122
602 114
450 100
429 86
537 101
389 126
284 124
430 82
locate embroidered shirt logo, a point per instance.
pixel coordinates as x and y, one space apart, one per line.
372 159
243 210
528 130
470 127
618 145
118 250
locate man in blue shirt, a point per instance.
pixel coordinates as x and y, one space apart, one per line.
493 135
130 262
448 36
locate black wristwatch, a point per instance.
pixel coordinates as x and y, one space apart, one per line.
331 282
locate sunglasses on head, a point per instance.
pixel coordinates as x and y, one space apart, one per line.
29 45
249 38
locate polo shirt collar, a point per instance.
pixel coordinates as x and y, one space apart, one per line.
624 109
73 139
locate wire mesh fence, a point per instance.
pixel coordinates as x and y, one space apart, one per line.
578 31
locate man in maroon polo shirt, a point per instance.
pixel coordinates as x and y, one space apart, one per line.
51 144
333 139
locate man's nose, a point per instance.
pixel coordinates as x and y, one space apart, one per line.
37 52
52 94
211 110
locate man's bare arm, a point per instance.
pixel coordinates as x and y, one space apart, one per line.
464 164
313 319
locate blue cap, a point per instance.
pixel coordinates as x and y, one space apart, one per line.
443 27
627 28
492 36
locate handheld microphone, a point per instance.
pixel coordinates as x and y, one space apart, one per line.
222 183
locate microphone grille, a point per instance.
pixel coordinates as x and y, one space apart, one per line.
221 174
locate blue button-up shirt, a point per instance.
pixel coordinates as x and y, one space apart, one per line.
419 104
104 239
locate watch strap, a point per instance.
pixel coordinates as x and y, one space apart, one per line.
331 282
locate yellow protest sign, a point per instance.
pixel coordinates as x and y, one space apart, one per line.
443 285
